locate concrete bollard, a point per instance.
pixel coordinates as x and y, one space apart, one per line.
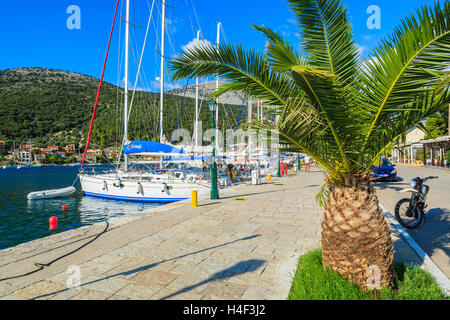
194 199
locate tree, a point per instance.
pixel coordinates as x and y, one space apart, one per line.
437 126
342 111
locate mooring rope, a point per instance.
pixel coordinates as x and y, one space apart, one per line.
41 266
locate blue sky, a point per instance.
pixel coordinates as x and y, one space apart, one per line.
35 33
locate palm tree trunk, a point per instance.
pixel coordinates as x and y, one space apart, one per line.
356 240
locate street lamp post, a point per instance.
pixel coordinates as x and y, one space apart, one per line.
214 190
278 167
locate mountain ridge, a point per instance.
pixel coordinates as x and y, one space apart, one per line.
51 106
206 89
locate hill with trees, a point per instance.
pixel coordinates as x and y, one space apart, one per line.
54 107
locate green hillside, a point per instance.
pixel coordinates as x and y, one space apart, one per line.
47 107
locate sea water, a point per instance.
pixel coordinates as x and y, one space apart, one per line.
23 220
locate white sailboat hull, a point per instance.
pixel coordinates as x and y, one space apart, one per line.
108 187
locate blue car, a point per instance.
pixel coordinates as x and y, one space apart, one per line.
384 171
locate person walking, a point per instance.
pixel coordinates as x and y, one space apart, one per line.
307 163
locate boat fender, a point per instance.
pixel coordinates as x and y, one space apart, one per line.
139 188
164 187
233 174
105 185
118 185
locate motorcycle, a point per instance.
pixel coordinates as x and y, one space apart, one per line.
410 211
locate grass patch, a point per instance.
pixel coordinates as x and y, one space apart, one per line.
311 282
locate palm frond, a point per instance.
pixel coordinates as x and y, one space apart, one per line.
425 105
325 93
303 129
327 36
412 61
281 54
246 71
342 115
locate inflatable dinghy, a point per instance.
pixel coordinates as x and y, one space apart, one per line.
54 193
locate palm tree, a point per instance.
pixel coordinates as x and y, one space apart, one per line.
344 112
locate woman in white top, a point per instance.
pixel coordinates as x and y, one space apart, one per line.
307 163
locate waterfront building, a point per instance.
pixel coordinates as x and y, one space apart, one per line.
97 152
51 149
414 135
25 147
39 157
60 154
433 152
70 149
90 158
23 156
109 153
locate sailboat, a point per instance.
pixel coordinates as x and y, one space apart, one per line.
163 185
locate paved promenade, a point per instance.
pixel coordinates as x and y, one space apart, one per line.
243 246
433 235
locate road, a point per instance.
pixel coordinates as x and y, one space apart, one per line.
433 235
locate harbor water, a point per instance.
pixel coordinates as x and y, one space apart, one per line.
23 220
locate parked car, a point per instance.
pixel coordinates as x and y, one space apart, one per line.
384 170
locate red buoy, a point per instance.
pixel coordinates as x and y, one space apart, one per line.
53 223
64 207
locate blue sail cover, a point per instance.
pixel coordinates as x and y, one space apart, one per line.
204 157
136 147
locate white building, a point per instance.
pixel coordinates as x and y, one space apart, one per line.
23 156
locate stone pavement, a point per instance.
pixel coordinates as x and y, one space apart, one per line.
244 246
433 234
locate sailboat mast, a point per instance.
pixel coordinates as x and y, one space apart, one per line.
161 108
125 107
196 102
217 87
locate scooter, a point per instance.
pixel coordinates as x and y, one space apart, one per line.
410 212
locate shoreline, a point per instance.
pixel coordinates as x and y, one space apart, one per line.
85 231
159 224
244 245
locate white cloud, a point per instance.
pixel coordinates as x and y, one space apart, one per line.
292 21
361 49
194 43
170 26
372 61
122 83
170 86
156 86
